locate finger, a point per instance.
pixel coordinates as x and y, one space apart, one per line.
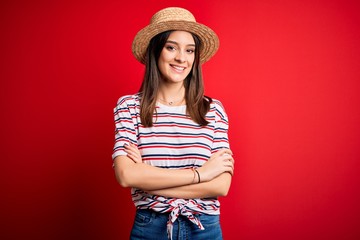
134 155
229 164
219 153
230 169
228 152
137 152
131 147
227 158
132 152
135 158
134 148
225 151
132 158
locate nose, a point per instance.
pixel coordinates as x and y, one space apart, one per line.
180 56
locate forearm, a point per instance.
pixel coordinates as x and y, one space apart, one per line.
130 171
147 178
219 186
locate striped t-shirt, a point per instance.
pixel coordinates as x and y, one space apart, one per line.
175 142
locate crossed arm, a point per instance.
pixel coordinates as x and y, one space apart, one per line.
215 176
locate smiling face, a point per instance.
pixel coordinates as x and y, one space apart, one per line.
177 57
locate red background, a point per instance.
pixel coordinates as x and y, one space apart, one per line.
287 72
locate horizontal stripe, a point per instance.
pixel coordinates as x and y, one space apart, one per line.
174 141
177 146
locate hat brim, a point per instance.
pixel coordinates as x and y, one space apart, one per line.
209 39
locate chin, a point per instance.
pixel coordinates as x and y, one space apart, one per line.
175 80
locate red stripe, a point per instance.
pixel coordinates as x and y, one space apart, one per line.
125 130
220 131
167 115
222 121
177 136
175 147
181 126
123 121
154 204
173 159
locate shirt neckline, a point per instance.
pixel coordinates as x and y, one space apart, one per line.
170 107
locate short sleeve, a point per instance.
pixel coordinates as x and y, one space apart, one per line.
125 132
221 128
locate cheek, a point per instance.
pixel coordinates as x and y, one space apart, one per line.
191 64
161 67
161 63
191 60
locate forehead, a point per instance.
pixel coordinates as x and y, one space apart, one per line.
181 37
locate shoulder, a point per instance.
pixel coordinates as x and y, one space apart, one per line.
217 105
218 108
128 100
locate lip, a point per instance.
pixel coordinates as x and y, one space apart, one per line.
177 68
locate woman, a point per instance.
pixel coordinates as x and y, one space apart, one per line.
171 144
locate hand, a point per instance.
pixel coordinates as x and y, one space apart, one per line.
133 152
220 162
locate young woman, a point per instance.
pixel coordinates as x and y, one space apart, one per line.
171 144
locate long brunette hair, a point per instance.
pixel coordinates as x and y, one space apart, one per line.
197 105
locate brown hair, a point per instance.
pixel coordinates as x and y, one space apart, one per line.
197 105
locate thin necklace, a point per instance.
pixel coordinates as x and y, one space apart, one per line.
171 102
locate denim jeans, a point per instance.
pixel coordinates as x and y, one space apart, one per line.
149 225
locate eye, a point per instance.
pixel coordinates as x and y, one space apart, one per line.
190 50
170 47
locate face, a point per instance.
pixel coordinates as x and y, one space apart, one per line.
177 57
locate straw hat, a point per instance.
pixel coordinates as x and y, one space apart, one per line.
175 18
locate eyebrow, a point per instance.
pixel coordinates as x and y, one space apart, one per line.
174 42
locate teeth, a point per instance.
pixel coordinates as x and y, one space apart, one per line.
178 68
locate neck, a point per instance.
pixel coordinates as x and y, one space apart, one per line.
172 94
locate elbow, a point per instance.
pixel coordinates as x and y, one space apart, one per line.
223 185
124 171
123 183
219 190
223 192
123 179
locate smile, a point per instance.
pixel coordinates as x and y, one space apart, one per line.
177 68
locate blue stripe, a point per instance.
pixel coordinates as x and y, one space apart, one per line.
123 118
223 129
177 124
221 139
218 148
123 138
125 128
222 116
180 166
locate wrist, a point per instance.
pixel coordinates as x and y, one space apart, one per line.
202 174
198 175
